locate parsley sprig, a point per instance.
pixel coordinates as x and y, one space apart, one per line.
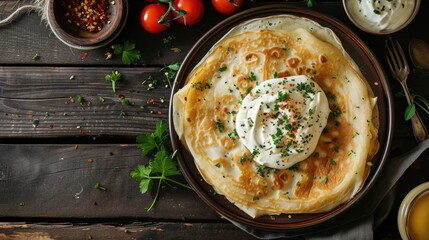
416 100
113 77
170 71
128 51
162 167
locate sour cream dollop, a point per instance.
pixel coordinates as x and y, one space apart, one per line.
380 15
280 120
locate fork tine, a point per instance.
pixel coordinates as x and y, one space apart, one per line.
396 48
396 58
390 56
401 52
387 51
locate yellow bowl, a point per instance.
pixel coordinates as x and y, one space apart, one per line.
413 215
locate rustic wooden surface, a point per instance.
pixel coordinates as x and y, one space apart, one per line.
46 140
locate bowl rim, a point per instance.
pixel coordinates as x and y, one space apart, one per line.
402 26
277 9
79 43
406 205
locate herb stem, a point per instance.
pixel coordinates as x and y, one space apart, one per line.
421 106
156 196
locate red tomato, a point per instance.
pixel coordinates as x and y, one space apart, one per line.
227 7
150 16
194 11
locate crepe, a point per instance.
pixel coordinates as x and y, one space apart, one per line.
205 112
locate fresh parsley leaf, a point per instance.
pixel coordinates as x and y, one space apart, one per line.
142 174
161 167
310 3
164 164
410 111
113 77
171 71
149 143
128 51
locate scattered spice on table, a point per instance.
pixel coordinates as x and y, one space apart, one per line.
90 161
88 15
76 147
108 55
35 123
84 56
176 50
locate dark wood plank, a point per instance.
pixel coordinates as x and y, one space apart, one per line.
57 181
29 94
143 230
25 37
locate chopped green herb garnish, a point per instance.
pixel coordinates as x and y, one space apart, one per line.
252 76
35 57
100 187
219 126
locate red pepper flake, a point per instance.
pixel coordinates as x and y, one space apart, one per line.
51 126
84 56
291 84
72 100
87 15
121 96
82 132
76 147
89 103
176 50
159 113
90 161
152 101
225 109
30 116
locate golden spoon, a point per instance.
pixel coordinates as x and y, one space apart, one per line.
419 53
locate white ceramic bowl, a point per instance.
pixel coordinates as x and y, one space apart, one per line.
357 16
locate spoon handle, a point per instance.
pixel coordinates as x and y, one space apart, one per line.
419 129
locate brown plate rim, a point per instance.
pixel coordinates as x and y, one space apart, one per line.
386 107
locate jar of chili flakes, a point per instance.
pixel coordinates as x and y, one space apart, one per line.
87 15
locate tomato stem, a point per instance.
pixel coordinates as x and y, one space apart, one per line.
164 18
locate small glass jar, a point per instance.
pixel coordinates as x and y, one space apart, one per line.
413 215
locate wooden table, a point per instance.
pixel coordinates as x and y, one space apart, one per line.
53 151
